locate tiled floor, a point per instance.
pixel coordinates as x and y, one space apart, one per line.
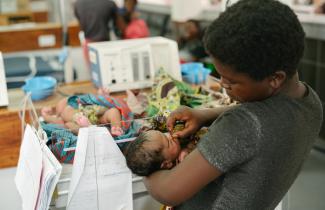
307 193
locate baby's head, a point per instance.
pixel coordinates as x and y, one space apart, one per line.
151 151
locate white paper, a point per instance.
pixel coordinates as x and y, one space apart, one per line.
37 172
100 178
29 169
50 175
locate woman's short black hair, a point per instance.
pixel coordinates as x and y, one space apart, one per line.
257 37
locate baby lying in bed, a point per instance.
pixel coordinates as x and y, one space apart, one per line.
84 110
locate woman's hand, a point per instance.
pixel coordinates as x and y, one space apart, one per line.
194 119
191 117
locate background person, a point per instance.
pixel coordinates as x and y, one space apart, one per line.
129 23
95 19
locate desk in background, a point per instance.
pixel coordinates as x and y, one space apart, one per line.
35 36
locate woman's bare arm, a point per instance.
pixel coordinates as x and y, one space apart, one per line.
172 187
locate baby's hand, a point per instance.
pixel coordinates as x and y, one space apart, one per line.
182 155
82 120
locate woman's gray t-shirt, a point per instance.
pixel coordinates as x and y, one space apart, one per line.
260 148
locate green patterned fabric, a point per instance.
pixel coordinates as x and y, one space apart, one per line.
92 112
168 94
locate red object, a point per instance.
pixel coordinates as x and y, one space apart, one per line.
137 28
182 61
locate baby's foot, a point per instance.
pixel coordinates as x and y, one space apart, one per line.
117 131
82 120
103 91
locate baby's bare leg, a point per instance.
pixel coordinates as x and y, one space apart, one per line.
112 116
68 113
61 105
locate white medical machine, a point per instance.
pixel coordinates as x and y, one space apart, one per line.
131 64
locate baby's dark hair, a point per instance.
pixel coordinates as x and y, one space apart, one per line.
140 160
258 38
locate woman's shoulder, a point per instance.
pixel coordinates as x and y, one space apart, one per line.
241 116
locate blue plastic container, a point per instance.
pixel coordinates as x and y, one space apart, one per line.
194 72
40 87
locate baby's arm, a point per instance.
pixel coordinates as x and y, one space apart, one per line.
184 152
50 117
53 119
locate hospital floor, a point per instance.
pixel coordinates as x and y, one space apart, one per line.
307 192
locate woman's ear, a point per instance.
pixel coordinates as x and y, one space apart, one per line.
166 164
277 79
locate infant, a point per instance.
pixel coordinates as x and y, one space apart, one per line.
153 150
84 116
